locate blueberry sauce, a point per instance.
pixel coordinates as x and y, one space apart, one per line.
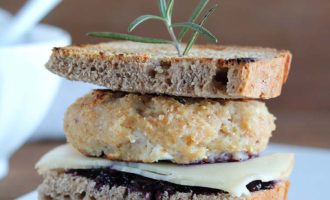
224 158
137 183
259 185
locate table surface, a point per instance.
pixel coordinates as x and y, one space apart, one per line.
22 177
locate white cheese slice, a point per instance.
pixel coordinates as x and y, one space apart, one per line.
230 177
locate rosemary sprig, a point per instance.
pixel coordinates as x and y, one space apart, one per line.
162 7
195 35
198 28
198 10
166 10
141 19
134 38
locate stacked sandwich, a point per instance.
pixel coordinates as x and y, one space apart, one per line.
168 127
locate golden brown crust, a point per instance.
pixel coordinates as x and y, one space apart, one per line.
253 76
288 59
249 72
148 128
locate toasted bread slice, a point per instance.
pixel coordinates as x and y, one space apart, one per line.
66 186
209 71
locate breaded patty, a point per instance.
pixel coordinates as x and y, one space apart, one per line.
147 128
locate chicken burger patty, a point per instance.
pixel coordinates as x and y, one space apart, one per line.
149 128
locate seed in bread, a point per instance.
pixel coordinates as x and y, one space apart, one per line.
147 128
208 71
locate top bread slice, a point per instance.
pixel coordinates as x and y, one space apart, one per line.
209 71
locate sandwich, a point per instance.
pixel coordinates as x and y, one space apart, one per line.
168 127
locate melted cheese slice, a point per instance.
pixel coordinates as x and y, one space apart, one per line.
230 177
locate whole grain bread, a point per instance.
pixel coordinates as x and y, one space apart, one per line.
62 186
209 71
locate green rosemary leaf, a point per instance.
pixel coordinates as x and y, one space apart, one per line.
169 10
141 19
197 28
198 10
166 10
162 7
120 36
195 35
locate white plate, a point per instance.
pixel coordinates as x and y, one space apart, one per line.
309 180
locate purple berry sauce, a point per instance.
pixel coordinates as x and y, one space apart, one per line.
150 187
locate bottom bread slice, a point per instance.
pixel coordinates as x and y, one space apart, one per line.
60 185
70 175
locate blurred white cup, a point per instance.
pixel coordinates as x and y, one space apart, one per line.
27 89
4 18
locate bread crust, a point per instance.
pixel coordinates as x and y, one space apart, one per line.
147 128
65 186
209 71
